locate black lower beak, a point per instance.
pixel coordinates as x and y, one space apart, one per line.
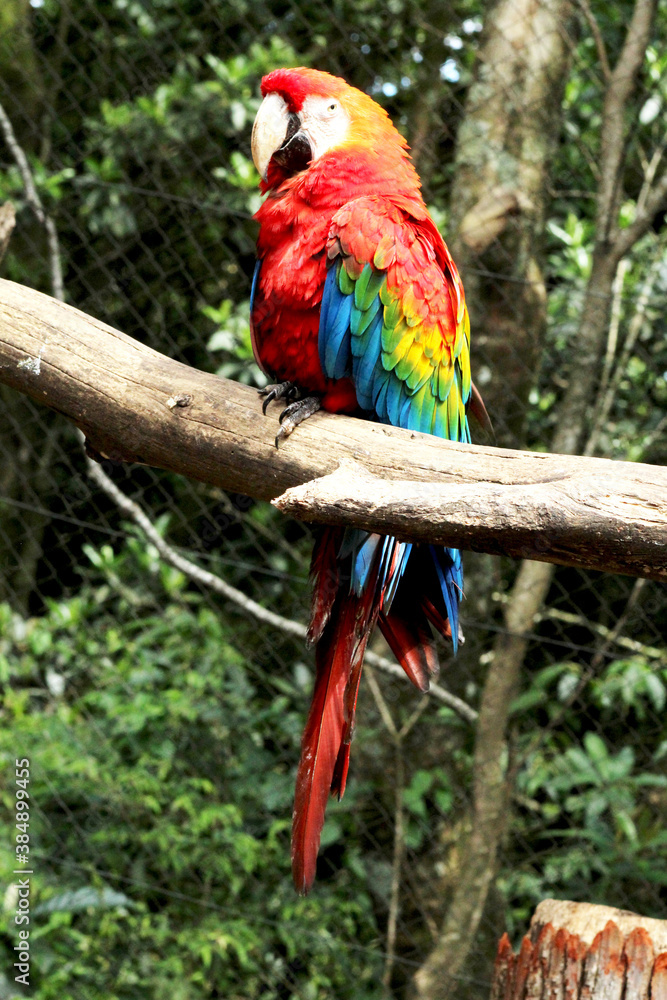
295 153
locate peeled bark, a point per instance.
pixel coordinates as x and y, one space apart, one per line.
579 951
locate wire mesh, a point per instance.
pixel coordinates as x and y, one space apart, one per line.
162 721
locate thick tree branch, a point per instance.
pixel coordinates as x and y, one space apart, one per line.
136 405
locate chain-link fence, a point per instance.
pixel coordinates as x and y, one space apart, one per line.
161 714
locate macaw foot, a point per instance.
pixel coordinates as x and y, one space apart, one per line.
295 414
281 390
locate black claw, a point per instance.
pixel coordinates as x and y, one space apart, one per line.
294 414
281 390
292 408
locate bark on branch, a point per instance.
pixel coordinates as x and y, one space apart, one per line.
135 405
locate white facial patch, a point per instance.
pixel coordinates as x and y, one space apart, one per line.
325 122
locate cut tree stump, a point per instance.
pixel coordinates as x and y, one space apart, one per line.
579 951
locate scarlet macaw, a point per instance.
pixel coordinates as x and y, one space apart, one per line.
356 307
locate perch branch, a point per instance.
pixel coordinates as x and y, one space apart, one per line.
135 405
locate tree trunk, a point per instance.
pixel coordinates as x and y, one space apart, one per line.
505 147
579 951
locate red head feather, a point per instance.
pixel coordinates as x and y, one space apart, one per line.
294 85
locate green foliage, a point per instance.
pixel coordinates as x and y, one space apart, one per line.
232 336
597 811
161 802
632 428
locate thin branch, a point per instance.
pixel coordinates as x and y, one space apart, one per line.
399 834
7 223
412 719
654 435
457 705
649 174
570 618
398 856
655 202
611 636
612 341
21 161
201 576
612 134
615 321
609 391
33 199
614 634
381 705
599 40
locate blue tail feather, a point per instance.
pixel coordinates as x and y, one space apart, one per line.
450 576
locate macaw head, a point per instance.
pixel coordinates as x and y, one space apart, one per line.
306 114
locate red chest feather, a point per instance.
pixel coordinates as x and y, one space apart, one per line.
286 310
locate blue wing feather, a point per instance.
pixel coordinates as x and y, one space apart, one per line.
351 331
364 364
448 567
334 330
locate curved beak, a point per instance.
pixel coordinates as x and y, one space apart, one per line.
276 132
269 131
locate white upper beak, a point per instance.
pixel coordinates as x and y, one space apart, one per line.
269 131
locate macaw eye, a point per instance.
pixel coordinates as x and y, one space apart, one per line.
332 107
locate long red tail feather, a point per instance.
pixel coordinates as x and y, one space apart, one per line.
344 613
322 738
339 777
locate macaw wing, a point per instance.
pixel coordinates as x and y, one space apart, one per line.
394 319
